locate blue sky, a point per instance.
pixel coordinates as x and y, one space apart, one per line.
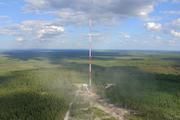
63 24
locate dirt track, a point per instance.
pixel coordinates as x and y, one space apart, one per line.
96 102
118 113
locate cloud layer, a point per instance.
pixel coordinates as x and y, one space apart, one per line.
65 22
171 28
74 11
33 30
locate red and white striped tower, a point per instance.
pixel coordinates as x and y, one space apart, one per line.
90 41
90 52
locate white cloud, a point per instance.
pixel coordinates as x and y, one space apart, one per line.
170 28
153 26
173 28
175 33
125 35
145 11
34 30
49 30
68 16
20 39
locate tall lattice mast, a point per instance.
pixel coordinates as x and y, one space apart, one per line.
90 41
90 52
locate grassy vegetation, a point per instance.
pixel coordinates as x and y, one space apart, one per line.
35 90
38 85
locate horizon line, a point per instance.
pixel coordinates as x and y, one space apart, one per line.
29 49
